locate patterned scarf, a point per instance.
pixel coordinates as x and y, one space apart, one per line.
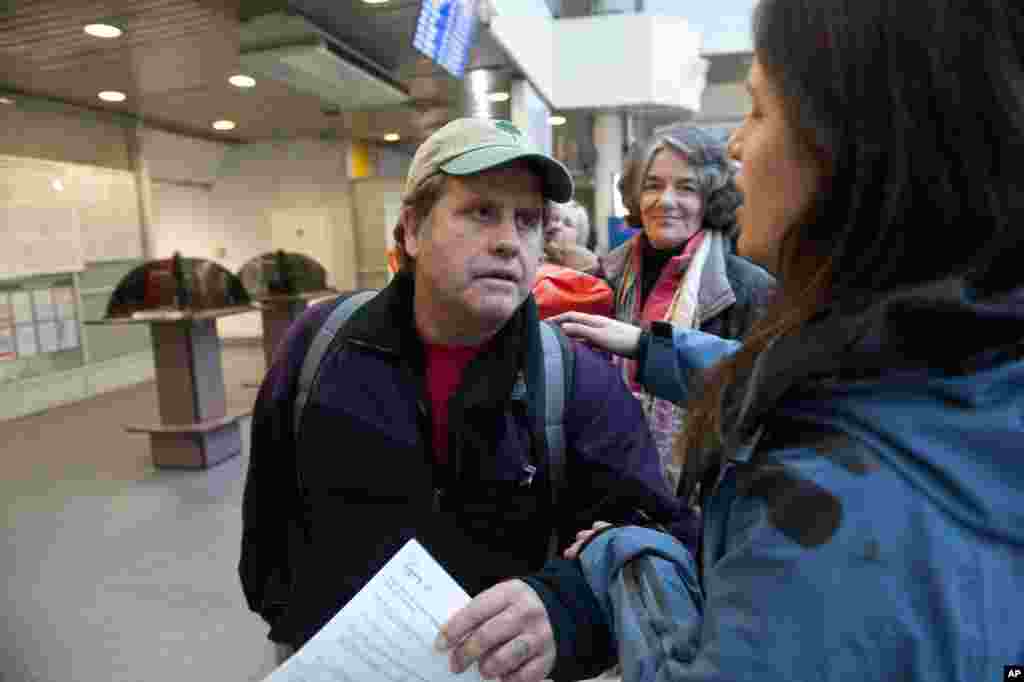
673 299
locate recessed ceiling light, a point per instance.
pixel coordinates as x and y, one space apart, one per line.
498 96
224 125
57 184
103 31
6 100
242 81
112 96
392 137
479 82
556 120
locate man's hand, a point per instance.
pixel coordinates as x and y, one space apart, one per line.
611 335
583 537
506 630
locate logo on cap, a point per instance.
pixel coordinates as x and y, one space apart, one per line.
509 128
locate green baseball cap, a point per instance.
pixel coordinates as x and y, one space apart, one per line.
471 145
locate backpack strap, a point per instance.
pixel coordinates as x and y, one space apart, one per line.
559 376
321 342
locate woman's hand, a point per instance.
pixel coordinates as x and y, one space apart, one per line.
506 630
611 335
583 537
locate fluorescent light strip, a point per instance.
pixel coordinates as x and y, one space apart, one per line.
103 31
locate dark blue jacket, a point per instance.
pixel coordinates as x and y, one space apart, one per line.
323 512
874 532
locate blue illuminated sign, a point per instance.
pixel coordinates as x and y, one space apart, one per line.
445 33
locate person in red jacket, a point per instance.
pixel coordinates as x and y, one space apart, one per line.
564 281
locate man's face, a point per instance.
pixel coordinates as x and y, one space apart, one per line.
478 250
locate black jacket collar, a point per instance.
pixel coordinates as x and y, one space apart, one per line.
387 324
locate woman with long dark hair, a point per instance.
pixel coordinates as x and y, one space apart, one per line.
858 457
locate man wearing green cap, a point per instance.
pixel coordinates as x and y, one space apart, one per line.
427 416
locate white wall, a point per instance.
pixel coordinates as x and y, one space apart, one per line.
377 205
211 200
252 185
572 61
723 103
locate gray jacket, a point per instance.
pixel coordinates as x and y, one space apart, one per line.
733 293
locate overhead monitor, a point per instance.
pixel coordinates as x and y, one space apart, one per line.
446 31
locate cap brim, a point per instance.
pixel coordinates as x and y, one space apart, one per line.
555 177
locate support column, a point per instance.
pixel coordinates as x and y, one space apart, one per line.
530 113
143 190
608 141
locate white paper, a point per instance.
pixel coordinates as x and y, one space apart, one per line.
158 315
26 335
6 312
7 349
49 337
21 302
64 300
42 300
69 334
386 632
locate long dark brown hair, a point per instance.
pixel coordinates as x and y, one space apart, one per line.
917 115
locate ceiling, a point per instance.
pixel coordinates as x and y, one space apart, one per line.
175 57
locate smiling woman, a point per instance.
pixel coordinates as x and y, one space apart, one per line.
678 187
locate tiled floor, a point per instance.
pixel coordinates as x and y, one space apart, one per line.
116 571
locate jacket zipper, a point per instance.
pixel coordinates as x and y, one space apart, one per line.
428 447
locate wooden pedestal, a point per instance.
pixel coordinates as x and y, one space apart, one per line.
195 429
278 315
194 446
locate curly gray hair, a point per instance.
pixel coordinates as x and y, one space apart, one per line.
709 160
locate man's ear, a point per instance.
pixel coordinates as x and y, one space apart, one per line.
411 231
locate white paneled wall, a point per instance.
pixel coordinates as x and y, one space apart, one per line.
377 205
252 188
177 157
215 200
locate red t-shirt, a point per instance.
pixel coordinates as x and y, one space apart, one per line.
445 365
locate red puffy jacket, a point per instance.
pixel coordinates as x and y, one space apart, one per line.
559 289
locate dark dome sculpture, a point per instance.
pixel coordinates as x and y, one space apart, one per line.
177 283
280 273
